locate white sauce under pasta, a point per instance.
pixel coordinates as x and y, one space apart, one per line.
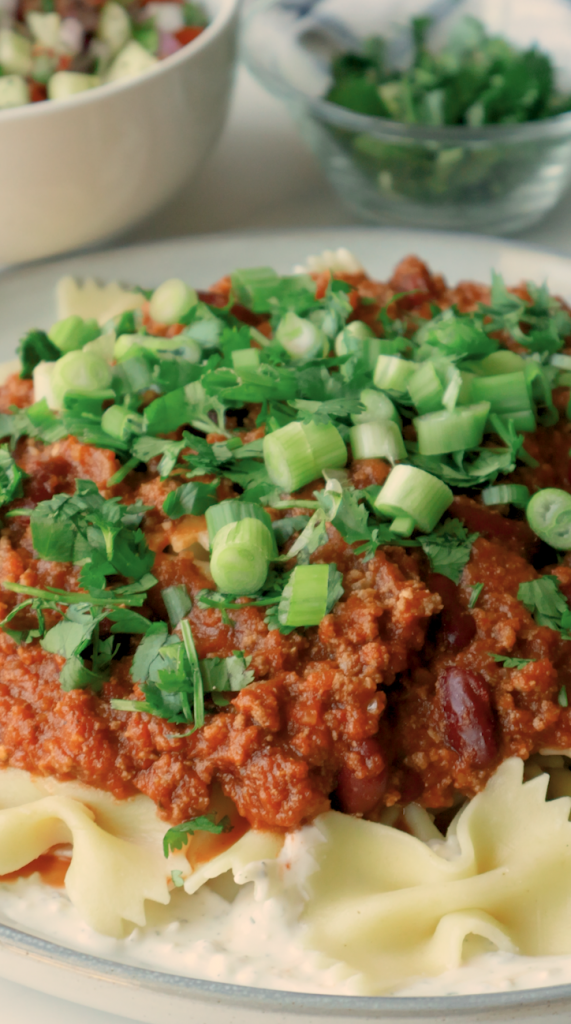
343 905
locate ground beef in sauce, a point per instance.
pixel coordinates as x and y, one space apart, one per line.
361 712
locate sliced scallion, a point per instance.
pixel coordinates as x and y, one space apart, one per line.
403 526
297 453
506 494
300 338
73 333
507 393
378 406
451 430
500 362
393 373
409 491
245 357
549 515
122 423
378 439
425 388
232 511
327 446
304 600
241 556
79 370
172 300
561 361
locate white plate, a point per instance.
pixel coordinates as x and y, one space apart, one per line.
27 300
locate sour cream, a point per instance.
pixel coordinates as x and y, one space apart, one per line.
251 935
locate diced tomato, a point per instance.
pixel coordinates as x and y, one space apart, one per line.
188 33
38 92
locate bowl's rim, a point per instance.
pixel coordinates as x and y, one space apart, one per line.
227 12
341 117
272 1000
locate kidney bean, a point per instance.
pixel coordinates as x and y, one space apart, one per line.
458 626
469 725
358 796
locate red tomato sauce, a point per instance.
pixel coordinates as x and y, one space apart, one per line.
394 697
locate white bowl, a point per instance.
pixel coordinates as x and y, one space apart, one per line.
75 172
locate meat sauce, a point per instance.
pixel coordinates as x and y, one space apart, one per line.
394 697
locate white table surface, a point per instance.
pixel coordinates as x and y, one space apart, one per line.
260 176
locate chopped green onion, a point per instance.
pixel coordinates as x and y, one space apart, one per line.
425 388
378 406
500 362
327 446
549 515
475 594
540 387
393 373
73 333
452 430
304 600
301 338
120 422
245 357
562 698
241 556
177 602
297 453
232 511
409 491
562 361
358 339
79 369
506 494
171 301
403 526
378 439
507 393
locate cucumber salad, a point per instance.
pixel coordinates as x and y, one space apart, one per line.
55 49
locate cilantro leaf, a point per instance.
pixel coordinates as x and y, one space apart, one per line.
11 477
506 662
544 600
448 548
190 499
232 673
178 835
35 347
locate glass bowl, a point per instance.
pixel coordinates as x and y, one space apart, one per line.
496 179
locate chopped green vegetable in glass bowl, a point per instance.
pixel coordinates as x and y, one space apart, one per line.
427 114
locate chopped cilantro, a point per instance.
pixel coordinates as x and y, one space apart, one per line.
506 662
448 548
544 600
35 347
178 835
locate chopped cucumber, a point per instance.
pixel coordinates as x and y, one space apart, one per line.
15 53
14 91
114 26
133 60
65 84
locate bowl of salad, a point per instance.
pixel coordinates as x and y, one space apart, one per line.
437 114
106 109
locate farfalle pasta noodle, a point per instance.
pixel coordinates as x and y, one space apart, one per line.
384 903
117 861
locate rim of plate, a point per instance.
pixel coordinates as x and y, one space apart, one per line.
219 992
